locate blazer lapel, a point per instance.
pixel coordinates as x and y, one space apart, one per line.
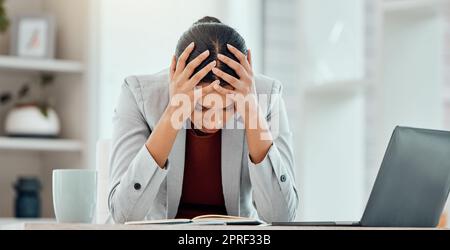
175 174
232 148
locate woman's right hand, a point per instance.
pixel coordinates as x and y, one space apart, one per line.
182 86
183 90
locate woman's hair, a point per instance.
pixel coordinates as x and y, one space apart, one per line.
210 34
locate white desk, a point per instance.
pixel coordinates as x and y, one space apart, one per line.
17 221
55 226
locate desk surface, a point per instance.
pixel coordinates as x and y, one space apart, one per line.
57 226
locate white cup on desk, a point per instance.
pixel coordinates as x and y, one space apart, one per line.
74 195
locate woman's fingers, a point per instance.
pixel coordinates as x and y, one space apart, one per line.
240 56
237 67
195 79
210 88
201 92
223 91
173 65
187 72
183 57
249 57
233 81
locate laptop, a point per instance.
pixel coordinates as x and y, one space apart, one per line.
412 185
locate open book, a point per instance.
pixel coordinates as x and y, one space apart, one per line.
210 219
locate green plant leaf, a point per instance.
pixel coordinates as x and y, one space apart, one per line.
4 21
44 110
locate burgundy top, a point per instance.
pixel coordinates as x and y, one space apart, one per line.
202 182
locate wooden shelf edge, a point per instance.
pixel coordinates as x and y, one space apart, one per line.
40 65
31 144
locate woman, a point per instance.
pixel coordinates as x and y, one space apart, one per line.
161 170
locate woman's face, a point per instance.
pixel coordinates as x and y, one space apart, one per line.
212 113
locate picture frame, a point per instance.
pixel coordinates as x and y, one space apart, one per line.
33 36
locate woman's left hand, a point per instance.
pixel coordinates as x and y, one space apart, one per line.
259 137
244 92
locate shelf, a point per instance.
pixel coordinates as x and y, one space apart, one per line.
13 220
337 88
31 144
12 223
411 5
40 65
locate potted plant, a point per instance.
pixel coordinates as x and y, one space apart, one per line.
4 20
31 117
4 25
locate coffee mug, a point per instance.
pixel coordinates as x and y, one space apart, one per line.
74 195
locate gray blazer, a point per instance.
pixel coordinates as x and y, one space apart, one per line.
141 190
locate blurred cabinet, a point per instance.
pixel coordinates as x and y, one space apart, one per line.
410 74
364 66
331 31
331 133
71 95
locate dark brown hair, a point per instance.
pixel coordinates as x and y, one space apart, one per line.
209 33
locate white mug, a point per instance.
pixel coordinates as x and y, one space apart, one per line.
74 195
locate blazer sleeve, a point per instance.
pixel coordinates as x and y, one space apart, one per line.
134 174
273 180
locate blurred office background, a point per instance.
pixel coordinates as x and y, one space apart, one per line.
352 70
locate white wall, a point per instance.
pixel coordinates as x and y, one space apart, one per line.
411 45
333 37
139 37
330 142
246 18
331 183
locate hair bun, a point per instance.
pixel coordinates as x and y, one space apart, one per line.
208 19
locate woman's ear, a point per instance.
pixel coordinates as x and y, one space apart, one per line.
249 57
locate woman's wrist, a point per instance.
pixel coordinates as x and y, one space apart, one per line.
169 117
252 114
160 141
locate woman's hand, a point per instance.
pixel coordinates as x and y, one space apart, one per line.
259 137
244 93
245 85
183 90
182 101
